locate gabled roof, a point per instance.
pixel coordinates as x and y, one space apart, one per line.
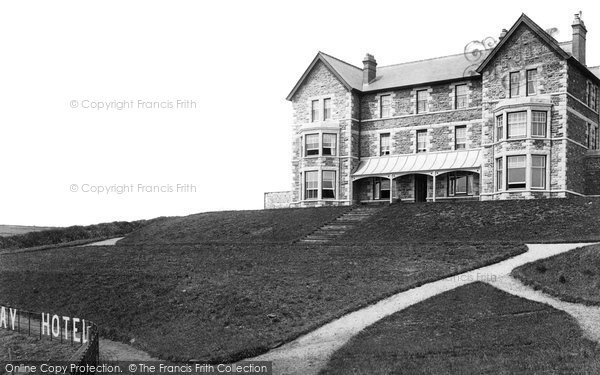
420 72
349 75
524 20
439 69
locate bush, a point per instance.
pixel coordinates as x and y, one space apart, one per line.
73 233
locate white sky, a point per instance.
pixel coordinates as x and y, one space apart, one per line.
237 60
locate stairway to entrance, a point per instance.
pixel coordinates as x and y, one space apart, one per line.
336 228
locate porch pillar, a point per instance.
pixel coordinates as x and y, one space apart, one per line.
391 190
434 178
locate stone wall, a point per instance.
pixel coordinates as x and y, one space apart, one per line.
278 199
522 52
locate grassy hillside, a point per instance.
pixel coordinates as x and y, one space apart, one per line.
69 234
223 302
264 226
573 276
15 346
11 230
474 329
540 220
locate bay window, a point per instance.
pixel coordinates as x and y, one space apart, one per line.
329 144
311 144
539 123
499 174
328 185
538 171
516 124
516 167
311 184
499 127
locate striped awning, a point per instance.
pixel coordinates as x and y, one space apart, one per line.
427 162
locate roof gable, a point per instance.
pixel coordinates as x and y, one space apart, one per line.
349 75
538 31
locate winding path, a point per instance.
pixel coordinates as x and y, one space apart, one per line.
309 353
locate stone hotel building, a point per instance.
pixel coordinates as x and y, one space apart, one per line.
516 118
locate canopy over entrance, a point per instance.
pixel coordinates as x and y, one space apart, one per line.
427 163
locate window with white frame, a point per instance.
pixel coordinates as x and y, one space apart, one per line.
516 167
516 124
538 171
421 101
591 96
515 82
384 144
531 77
385 105
328 185
314 111
329 144
460 96
311 184
326 108
460 137
499 127
539 123
311 144
499 174
421 140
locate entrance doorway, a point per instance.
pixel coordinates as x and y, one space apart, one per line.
420 188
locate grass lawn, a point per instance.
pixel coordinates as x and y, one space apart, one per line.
573 276
474 329
223 302
262 226
523 221
15 346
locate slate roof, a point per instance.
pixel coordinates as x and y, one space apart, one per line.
421 72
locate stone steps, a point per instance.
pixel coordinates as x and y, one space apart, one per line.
341 225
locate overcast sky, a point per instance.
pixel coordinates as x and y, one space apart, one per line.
236 61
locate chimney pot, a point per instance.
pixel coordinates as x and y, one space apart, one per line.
579 36
503 34
369 69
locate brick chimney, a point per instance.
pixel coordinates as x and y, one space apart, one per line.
370 69
579 33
